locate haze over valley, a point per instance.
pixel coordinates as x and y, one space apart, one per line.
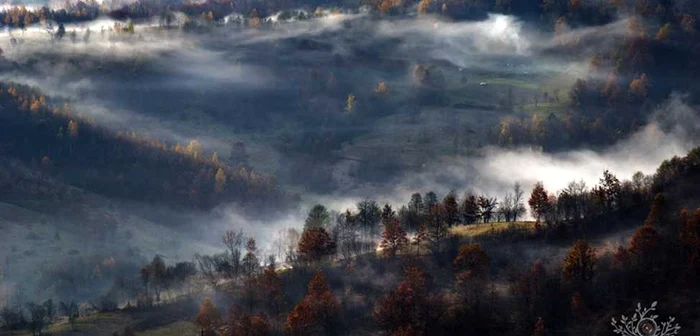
165 164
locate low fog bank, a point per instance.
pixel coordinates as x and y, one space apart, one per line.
205 86
259 69
673 130
80 245
145 231
229 67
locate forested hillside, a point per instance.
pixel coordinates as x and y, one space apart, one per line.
59 144
379 167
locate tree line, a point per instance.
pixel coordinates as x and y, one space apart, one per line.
473 286
575 294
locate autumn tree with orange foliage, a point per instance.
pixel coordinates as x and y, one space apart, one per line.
471 269
318 313
194 149
472 258
611 90
394 238
424 6
645 245
73 131
574 5
208 318
656 212
689 238
579 263
635 28
579 309
219 180
646 260
639 88
254 17
540 329
409 309
382 89
315 243
389 6
250 325
664 32
539 201
271 288
530 288
688 23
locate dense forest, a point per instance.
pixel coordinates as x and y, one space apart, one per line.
60 144
381 167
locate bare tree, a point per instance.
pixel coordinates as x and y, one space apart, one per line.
368 218
277 249
290 243
233 242
158 273
506 210
348 244
518 199
71 310
207 267
488 206
437 227
250 263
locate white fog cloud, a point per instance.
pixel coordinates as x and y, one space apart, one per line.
673 130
